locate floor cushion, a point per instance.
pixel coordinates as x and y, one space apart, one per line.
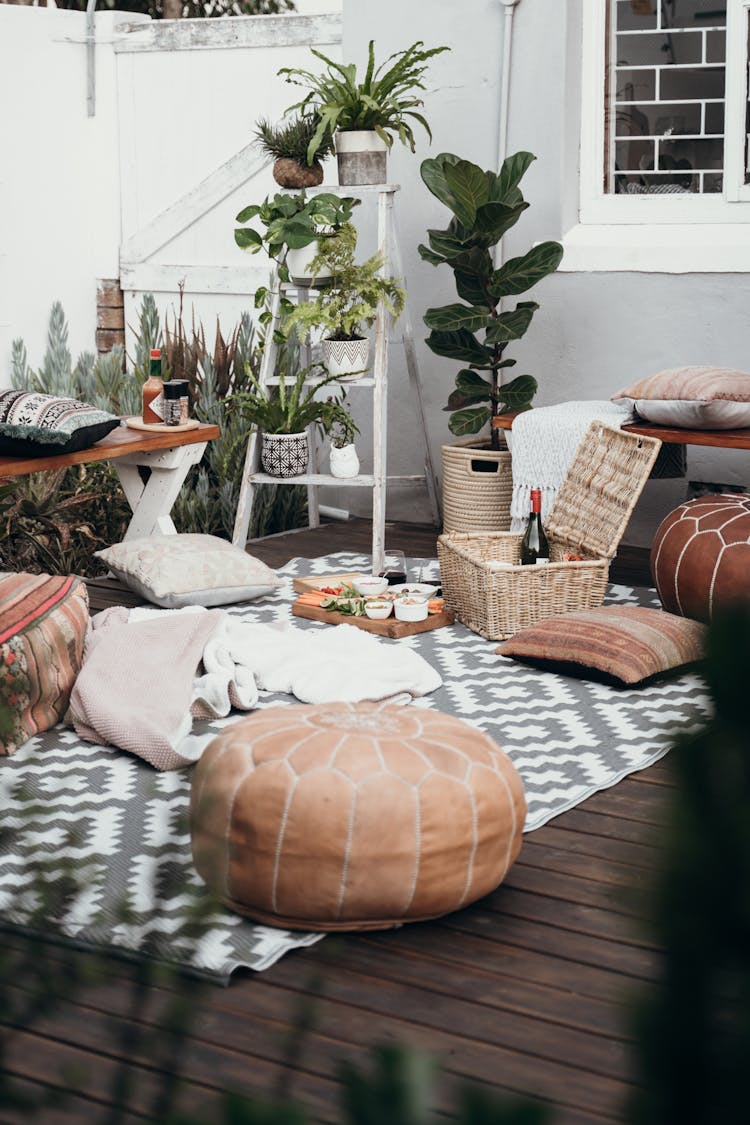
353 816
43 623
700 557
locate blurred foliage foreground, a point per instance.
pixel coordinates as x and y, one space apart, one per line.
691 1029
54 521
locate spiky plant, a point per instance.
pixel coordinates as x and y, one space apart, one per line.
291 139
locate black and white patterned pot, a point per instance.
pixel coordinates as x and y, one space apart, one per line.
284 455
345 357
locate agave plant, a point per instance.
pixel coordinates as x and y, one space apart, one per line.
485 205
384 101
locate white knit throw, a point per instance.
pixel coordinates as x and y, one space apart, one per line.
544 442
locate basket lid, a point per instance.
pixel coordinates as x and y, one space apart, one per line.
605 479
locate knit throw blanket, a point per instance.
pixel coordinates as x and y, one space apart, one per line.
544 442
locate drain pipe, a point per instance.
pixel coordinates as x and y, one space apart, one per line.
502 142
91 59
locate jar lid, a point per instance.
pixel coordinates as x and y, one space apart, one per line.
176 388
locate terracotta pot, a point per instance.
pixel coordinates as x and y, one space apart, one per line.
344 461
290 173
345 357
362 157
285 455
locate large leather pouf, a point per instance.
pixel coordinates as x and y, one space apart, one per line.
700 558
353 816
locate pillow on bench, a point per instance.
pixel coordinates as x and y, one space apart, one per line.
37 425
692 398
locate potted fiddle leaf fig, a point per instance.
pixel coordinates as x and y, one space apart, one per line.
477 329
363 116
292 229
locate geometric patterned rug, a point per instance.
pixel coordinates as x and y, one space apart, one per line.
107 835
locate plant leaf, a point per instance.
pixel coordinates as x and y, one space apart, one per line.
471 383
446 243
452 318
248 239
511 325
469 188
495 218
430 256
519 274
512 172
517 394
433 173
459 345
469 421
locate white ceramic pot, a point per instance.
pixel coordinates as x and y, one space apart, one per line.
299 262
362 157
344 461
285 455
345 357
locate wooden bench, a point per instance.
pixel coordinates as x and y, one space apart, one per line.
719 439
167 455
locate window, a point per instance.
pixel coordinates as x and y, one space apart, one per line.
664 134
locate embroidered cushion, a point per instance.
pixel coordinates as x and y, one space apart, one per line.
694 398
43 623
624 645
353 816
178 570
37 425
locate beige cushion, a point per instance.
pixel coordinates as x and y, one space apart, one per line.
178 570
624 644
353 816
695 398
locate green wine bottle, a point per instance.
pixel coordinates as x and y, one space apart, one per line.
534 547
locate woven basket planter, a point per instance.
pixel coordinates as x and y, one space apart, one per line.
477 486
285 455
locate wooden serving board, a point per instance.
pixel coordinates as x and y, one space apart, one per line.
302 585
390 627
136 423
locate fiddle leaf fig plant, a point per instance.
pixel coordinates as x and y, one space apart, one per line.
476 330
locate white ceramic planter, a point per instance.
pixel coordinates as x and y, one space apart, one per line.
285 455
345 357
299 262
344 462
362 157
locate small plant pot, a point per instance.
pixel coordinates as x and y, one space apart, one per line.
344 462
290 173
345 357
285 455
299 265
362 157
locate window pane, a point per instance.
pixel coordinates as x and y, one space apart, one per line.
665 96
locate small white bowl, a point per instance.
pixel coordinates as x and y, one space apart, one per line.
378 611
414 590
369 585
410 609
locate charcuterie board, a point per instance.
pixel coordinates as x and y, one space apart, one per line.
390 627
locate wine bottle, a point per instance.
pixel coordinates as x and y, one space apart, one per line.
534 547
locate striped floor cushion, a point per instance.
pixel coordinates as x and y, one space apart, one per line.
43 623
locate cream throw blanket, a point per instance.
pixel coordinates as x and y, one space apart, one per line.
544 442
148 673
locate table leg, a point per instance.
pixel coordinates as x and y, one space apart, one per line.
153 500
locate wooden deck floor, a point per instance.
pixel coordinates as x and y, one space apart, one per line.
527 991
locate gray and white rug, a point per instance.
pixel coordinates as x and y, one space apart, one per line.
94 844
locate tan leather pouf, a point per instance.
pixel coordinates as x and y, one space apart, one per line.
353 816
700 558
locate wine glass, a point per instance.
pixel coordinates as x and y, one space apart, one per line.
394 567
424 570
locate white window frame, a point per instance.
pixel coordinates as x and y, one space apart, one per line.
660 233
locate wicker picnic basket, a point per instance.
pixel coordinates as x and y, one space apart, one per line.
588 517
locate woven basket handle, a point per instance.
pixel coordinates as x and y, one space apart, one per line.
488 466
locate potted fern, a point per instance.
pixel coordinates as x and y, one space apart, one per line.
288 143
362 117
283 414
347 307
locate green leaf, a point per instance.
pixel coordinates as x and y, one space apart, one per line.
248 213
248 239
494 219
471 383
452 318
519 274
458 345
469 421
433 173
511 325
517 394
445 243
512 172
260 296
428 256
468 186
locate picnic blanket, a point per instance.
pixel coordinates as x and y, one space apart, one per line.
148 673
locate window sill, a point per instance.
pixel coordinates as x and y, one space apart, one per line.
649 248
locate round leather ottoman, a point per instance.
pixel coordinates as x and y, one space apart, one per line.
700 558
353 816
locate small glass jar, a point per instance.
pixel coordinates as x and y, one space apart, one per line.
176 402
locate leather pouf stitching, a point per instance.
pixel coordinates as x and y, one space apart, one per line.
700 558
353 817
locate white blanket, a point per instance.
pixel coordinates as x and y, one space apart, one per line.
544 442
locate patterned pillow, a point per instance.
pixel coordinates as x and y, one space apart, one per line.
624 645
693 398
178 570
43 624
36 425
